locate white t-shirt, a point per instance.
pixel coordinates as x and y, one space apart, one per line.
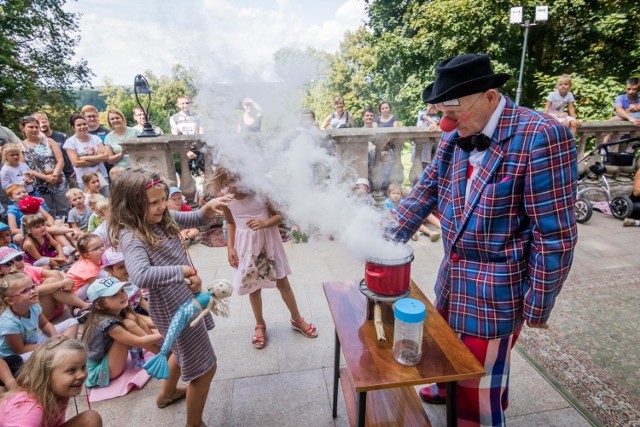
10 175
88 148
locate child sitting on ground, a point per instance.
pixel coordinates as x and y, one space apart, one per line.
60 231
54 290
98 205
23 326
114 330
40 249
5 236
92 185
54 373
560 99
114 265
14 171
391 204
79 215
87 269
175 203
362 190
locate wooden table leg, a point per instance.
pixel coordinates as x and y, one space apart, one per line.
452 403
336 377
362 408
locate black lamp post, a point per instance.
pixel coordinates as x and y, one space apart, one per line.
141 87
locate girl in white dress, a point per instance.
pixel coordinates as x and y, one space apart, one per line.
255 249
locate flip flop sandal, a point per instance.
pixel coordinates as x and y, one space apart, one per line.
259 341
309 332
163 402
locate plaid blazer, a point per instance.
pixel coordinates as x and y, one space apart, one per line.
508 247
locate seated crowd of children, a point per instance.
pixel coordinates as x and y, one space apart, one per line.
49 266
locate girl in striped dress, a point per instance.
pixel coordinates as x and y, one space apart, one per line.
149 236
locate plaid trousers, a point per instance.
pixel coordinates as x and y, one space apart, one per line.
482 401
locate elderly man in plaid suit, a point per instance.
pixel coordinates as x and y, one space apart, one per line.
504 181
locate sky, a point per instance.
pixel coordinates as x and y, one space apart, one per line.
226 40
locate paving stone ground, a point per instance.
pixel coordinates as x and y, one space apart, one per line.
289 382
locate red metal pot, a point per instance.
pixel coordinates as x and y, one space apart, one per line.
389 276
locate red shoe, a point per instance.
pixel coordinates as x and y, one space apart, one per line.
431 394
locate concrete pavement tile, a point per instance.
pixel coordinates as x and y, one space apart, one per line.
141 405
288 399
567 417
236 356
297 352
526 382
342 420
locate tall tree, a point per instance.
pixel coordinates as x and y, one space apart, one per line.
37 44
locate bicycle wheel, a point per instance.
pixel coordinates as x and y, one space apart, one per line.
621 207
583 210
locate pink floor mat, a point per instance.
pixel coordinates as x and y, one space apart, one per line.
130 378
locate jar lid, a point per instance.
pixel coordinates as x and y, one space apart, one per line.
409 310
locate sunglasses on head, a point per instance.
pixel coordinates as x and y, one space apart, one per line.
11 261
27 119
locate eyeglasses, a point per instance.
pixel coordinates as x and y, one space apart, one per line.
440 106
12 261
97 248
26 291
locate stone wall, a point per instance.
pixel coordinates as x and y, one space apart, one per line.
352 146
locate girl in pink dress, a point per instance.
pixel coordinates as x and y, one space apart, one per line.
255 250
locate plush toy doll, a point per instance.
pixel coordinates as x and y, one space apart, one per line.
215 300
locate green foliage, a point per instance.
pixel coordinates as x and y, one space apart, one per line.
594 97
37 43
394 56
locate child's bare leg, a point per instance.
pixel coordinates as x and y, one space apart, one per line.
170 389
432 219
573 127
118 354
48 304
290 300
70 299
6 377
88 418
425 230
133 327
197 393
255 298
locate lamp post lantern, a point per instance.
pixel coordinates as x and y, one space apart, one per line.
141 87
542 14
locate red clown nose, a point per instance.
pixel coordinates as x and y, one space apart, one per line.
447 124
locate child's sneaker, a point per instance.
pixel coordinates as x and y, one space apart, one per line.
415 237
81 314
435 236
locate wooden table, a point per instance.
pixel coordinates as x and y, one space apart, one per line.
370 366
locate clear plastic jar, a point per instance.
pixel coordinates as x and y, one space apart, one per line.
409 316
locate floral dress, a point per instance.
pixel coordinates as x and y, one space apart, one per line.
40 158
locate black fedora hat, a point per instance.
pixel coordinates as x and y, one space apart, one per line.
460 76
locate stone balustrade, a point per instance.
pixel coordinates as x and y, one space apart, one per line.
352 145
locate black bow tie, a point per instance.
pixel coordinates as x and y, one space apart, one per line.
479 141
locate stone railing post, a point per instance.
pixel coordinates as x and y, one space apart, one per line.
599 130
152 154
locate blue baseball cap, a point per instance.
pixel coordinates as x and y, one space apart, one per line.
3 226
174 190
104 287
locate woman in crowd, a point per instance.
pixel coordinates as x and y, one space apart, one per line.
44 157
386 119
86 152
120 132
339 118
251 120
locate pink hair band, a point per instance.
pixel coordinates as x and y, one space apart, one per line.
152 183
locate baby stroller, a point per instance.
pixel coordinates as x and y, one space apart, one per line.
621 206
